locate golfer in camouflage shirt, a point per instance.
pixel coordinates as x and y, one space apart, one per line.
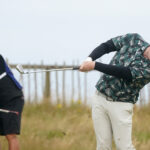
118 88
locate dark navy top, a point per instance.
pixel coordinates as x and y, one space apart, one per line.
9 86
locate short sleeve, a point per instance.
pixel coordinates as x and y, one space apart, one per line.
122 40
117 41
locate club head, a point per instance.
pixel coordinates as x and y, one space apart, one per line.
20 69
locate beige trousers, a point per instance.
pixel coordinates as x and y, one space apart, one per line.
112 120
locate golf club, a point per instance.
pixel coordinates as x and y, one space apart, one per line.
9 111
22 71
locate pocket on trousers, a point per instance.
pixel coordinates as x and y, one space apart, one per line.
126 115
129 108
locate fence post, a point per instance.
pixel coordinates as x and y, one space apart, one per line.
35 86
47 87
142 96
42 78
72 80
79 87
148 91
46 90
50 93
63 86
57 95
29 87
85 88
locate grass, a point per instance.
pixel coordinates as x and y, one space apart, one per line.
46 127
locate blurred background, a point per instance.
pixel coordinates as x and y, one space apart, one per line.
44 33
57 32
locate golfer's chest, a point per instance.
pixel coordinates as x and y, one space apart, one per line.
125 56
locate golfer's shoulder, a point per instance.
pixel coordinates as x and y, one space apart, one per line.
124 38
131 36
128 37
135 35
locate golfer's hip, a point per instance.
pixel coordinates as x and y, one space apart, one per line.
112 119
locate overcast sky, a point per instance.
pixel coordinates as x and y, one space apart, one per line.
66 30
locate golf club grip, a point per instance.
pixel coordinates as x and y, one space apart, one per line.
76 67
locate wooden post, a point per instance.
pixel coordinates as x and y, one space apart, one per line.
148 90
47 87
57 95
85 88
63 86
35 86
72 81
143 97
29 87
42 78
79 87
50 93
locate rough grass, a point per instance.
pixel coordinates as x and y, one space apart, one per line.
46 127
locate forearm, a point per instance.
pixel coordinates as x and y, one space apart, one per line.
117 71
104 48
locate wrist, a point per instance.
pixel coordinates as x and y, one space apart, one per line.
93 65
88 59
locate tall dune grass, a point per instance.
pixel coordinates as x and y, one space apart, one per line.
46 127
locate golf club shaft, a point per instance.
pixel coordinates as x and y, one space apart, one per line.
49 70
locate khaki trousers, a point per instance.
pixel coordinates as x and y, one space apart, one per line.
112 120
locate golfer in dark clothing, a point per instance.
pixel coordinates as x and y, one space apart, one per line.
11 99
118 88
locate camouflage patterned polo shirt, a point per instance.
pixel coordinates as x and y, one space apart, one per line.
130 48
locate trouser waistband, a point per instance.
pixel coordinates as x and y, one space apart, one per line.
104 96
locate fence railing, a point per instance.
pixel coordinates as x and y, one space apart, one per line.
53 86
61 87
